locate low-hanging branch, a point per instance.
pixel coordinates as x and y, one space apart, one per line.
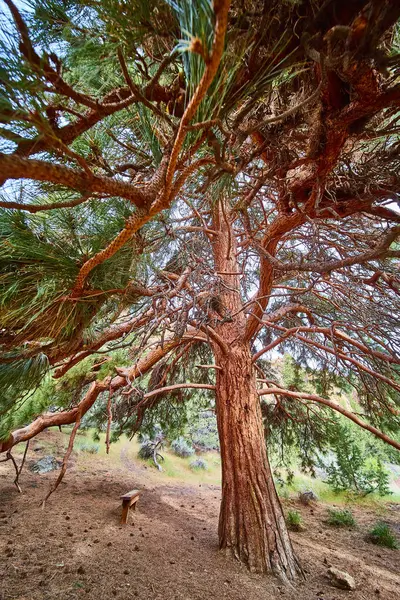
334 406
338 353
332 333
46 420
124 376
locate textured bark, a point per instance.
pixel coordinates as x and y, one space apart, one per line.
251 523
221 9
14 167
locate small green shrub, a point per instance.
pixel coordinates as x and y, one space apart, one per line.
182 448
89 448
340 518
78 584
294 520
199 464
382 535
283 492
203 431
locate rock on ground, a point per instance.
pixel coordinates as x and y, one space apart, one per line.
307 497
341 579
46 464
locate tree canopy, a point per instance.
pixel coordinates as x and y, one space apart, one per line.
180 175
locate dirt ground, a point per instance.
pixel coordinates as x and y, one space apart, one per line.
76 548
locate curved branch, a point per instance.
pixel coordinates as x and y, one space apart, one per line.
41 64
282 225
158 353
289 308
68 133
113 333
346 358
381 250
314 398
179 386
133 224
330 332
187 172
67 417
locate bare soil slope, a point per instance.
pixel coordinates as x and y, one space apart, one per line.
75 548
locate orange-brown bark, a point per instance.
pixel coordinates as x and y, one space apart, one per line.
251 523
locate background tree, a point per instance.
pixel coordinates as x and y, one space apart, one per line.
194 181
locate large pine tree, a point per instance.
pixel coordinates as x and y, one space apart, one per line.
201 179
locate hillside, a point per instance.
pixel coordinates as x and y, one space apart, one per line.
169 549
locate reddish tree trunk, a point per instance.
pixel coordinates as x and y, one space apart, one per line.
251 523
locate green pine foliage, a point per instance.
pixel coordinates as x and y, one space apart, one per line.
293 375
382 535
340 518
351 460
294 520
293 438
352 469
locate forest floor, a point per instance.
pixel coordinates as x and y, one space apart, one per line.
76 548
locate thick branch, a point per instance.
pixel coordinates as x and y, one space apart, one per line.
221 13
54 419
14 167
